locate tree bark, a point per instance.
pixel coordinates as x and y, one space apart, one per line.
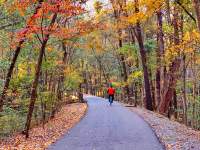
172 75
184 92
148 96
160 54
9 74
147 86
168 12
175 105
14 59
35 82
196 4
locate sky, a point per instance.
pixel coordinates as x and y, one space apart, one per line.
90 4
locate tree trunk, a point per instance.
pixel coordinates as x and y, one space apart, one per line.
160 53
14 59
145 70
184 92
9 74
194 105
35 82
196 4
194 93
80 94
147 86
184 76
168 11
118 12
152 89
125 75
172 75
175 105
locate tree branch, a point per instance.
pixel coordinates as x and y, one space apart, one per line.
186 11
10 24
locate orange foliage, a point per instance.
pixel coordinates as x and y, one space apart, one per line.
66 11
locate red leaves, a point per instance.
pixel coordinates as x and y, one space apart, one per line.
79 28
64 8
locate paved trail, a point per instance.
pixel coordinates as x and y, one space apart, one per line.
108 128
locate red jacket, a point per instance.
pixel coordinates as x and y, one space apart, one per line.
111 91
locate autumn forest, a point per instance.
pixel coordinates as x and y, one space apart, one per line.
52 52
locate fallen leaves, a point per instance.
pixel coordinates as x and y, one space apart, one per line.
40 138
173 135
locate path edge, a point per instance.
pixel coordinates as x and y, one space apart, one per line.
67 131
160 141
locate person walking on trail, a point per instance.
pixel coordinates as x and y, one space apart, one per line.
111 93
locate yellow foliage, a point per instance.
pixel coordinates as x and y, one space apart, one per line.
73 74
2 1
23 69
135 75
146 9
133 19
187 46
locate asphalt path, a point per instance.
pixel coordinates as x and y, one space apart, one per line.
108 128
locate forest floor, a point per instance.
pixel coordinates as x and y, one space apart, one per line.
40 138
172 134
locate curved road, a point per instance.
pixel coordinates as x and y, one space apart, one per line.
108 128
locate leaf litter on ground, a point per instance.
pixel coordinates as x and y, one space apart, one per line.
40 138
173 135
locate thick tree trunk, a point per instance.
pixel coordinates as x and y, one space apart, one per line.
34 88
35 82
160 54
172 75
148 97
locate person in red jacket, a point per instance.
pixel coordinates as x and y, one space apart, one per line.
111 93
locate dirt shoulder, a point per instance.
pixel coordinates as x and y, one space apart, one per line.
173 135
41 138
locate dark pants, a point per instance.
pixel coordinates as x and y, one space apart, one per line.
111 98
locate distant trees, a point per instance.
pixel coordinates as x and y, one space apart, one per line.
149 50
167 63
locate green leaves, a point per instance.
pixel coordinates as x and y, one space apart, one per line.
150 45
128 49
72 80
4 64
